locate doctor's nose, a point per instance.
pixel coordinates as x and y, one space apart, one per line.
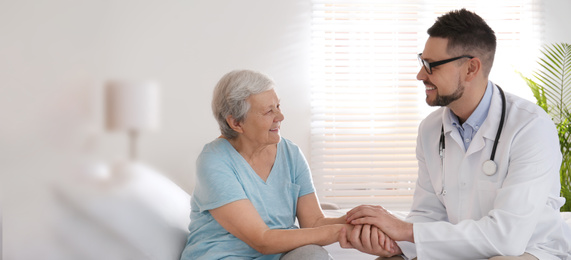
422 74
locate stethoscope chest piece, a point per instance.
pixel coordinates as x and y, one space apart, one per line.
489 167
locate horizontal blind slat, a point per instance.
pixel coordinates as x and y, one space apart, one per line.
366 103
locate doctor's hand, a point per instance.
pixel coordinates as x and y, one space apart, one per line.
395 228
369 239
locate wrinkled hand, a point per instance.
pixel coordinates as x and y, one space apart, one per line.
369 239
379 217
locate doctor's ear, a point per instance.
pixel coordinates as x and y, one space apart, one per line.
474 67
234 124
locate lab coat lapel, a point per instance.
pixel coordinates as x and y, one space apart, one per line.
451 132
488 130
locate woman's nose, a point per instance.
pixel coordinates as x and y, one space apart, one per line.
280 116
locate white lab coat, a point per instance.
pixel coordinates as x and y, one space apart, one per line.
516 210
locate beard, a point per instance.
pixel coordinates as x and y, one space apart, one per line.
445 100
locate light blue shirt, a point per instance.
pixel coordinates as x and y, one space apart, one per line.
223 176
469 128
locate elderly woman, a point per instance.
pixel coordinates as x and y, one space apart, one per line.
252 183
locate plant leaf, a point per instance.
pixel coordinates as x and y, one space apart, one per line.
554 76
551 87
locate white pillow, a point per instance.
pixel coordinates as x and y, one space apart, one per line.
137 213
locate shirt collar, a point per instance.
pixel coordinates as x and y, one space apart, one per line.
477 117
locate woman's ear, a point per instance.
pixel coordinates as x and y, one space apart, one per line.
474 68
234 124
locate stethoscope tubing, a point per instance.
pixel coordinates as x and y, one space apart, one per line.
487 170
501 126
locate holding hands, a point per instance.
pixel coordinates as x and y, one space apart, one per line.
368 239
375 231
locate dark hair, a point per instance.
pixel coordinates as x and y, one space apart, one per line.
467 34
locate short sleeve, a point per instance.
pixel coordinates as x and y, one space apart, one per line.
217 183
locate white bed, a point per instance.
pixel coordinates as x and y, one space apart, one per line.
143 216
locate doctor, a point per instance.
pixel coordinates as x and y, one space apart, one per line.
488 181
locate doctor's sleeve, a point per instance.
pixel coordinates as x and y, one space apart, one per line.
426 206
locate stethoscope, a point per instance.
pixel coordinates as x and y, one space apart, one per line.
489 167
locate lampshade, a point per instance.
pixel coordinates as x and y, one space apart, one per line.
132 106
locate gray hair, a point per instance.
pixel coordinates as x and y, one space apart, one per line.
230 94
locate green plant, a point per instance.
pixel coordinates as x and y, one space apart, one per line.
551 87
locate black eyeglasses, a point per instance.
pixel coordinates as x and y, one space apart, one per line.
429 65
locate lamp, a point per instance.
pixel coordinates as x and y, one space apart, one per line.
132 107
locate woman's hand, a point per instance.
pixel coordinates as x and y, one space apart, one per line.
369 239
336 232
395 228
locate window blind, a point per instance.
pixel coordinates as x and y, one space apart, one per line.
366 102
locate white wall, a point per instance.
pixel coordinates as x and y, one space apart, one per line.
55 56
557 21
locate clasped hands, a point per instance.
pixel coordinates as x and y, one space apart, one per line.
375 231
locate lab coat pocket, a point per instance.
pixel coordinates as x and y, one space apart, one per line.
487 191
